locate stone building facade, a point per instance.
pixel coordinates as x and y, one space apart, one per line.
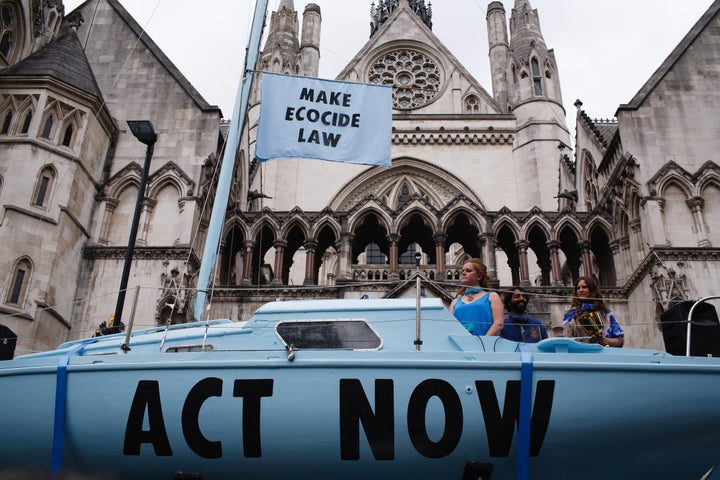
636 202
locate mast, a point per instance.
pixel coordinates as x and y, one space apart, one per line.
228 162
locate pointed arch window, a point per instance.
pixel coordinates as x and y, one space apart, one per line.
8 31
404 196
47 128
6 123
68 135
26 122
472 104
537 79
514 74
17 288
43 187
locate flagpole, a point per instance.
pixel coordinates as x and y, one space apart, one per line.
217 217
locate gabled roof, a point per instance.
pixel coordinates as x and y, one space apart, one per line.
62 59
158 53
674 57
413 31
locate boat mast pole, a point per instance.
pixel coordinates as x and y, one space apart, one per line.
418 341
217 217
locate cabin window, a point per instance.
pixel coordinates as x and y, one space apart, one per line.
189 348
329 334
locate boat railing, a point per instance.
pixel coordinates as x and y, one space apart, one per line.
701 322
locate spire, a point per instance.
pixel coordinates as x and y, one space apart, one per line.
282 46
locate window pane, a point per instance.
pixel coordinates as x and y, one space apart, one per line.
42 191
6 123
47 129
17 286
26 123
346 334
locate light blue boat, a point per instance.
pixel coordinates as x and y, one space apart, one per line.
348 389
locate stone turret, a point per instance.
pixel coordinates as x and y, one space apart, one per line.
499 53
534 97
310 44
281 53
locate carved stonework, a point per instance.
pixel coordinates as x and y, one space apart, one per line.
668 287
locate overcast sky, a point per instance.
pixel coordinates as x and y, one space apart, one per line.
606 50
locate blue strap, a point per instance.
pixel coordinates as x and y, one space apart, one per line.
60 402
523 456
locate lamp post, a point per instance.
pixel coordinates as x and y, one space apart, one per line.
142 130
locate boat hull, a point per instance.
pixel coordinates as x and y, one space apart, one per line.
360 414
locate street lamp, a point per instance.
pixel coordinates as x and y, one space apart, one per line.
142 130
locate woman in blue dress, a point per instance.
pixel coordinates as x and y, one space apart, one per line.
478 309
590 317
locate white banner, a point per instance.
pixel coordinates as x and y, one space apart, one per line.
303 117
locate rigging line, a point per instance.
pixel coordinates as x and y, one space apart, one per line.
91 25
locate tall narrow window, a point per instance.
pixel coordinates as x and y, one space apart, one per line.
537 80
26 122
404 196
47 129
8 31
6 123
43 187
18 287
67 137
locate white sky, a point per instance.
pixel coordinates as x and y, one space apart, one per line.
605 49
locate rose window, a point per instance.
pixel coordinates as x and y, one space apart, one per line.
415 77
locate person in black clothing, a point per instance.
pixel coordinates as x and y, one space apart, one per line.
518 326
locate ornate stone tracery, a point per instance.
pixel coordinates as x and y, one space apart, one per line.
414 75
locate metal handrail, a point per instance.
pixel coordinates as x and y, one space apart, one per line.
689 317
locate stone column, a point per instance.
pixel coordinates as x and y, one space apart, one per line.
394 239
556 268
637 231
279 260
110 206
440 239
249 247
586 258
147 209
625 256
486 241
696 205
310 247
652 218
345 254
522 246
615 248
